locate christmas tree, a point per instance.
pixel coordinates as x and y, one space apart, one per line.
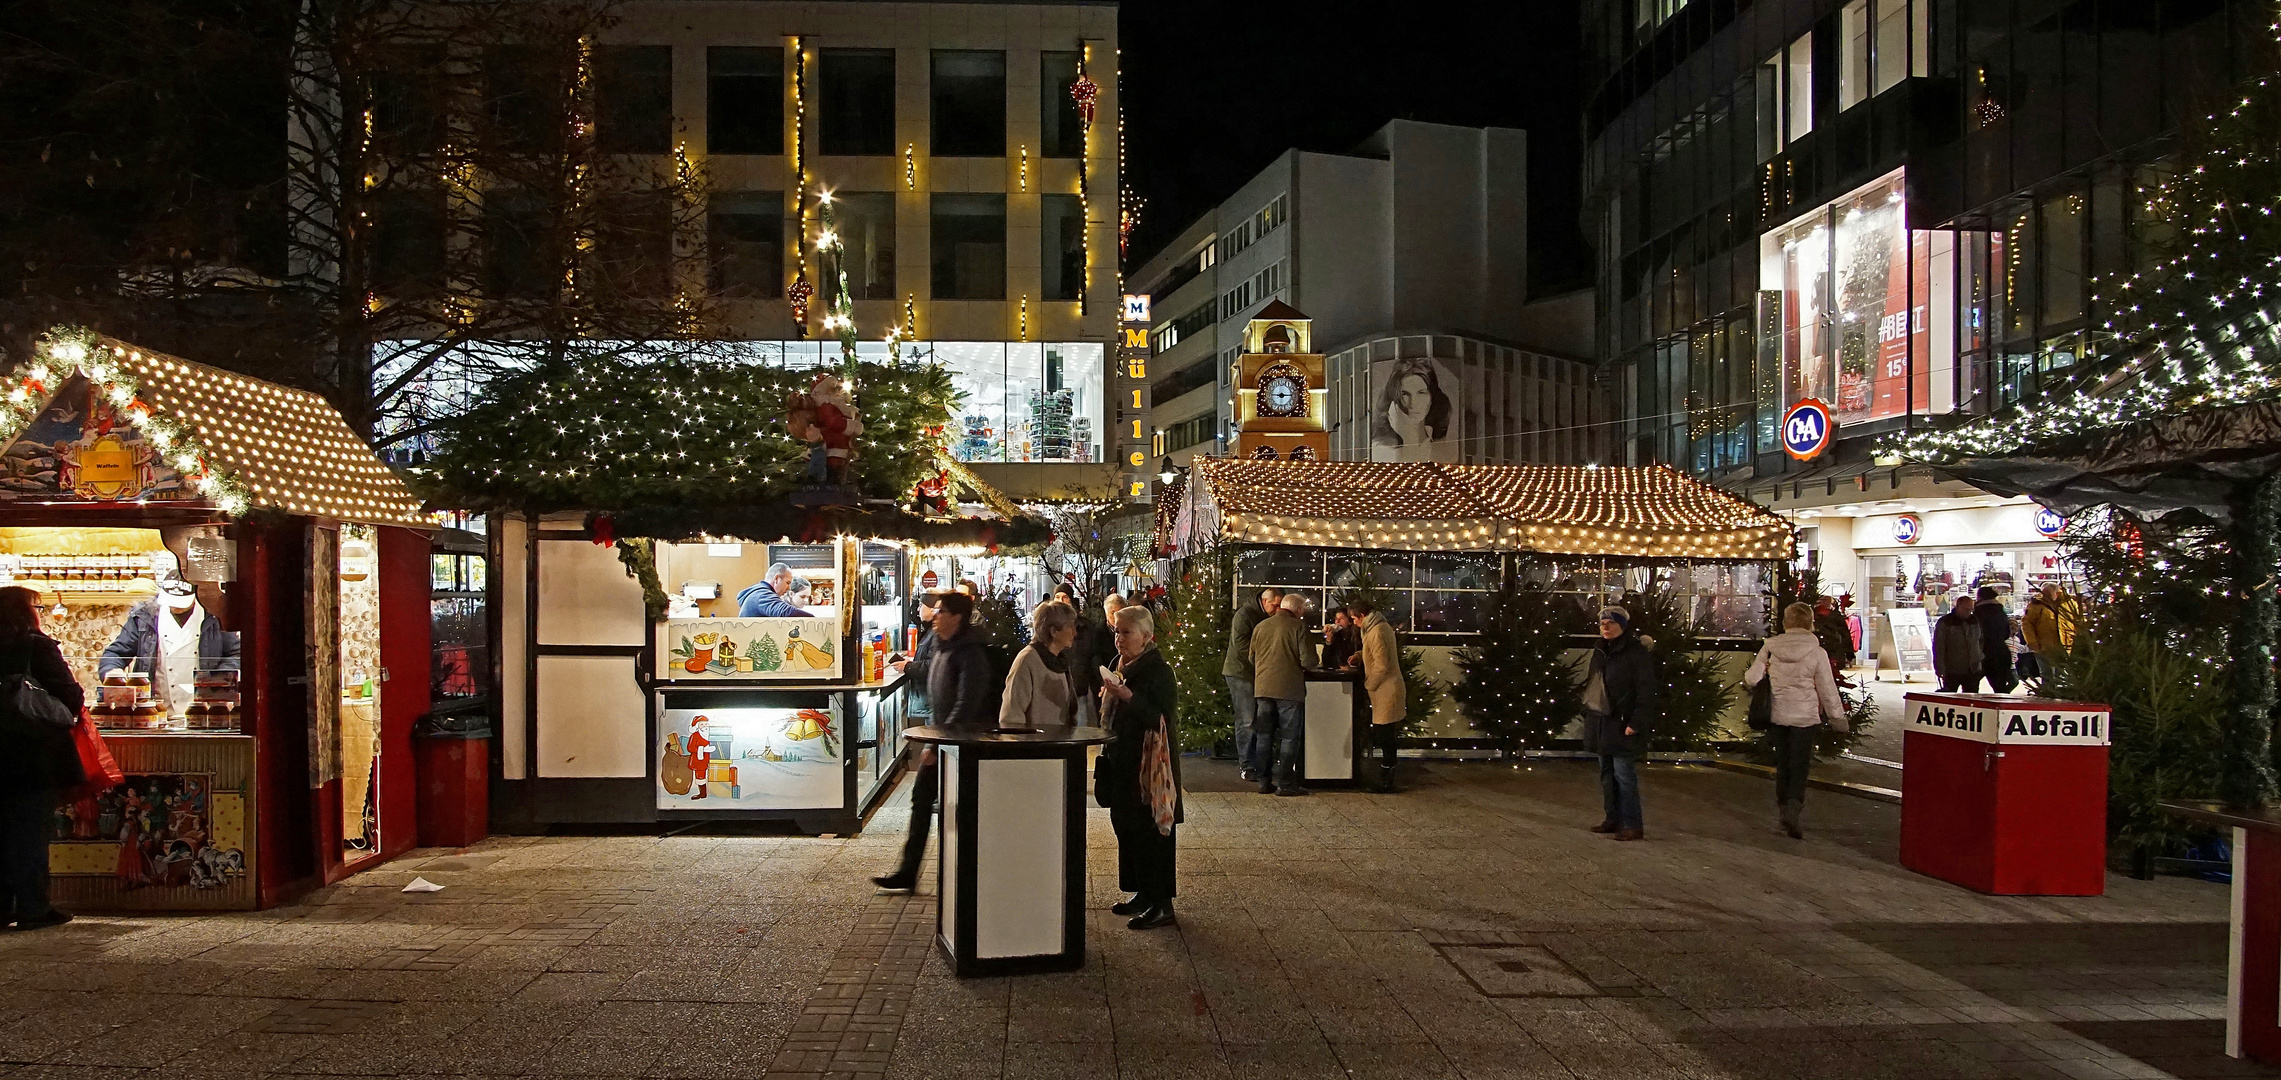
1518 682
1193 635
765 654
1695 692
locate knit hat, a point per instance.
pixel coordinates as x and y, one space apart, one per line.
1615 614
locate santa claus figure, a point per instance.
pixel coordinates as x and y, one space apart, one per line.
932 496
700 757
834 427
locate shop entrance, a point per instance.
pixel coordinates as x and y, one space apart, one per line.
358 709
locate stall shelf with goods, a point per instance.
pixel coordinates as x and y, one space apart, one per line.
243 587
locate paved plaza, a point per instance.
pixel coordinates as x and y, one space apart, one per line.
1466 928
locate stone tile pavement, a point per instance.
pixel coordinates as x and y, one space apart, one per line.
1467 928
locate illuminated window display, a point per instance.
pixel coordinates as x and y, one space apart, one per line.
1863 309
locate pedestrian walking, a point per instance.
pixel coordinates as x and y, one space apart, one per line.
1281 652
1995 641
915 666
1238 671
35 761
1381 661
1041 687
2040 632
1620 700
1957 654
1138 775
958 694
1805 694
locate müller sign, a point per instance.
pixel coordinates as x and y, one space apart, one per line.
1999 720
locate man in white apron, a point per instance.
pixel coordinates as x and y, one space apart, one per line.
180 623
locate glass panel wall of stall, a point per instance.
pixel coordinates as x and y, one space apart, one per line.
764 687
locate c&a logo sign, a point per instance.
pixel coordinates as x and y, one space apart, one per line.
1807 429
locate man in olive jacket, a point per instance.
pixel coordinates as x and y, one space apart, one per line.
1281 652
1237 669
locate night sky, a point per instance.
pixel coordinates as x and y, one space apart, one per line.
1214 90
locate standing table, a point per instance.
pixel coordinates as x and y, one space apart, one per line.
1338 716
2006 795
1013 847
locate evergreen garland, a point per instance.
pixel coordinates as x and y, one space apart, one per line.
639 556
1518 682
1192 632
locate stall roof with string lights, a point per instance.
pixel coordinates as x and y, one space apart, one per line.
1645 512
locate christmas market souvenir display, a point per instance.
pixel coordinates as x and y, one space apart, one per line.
242 587
705 570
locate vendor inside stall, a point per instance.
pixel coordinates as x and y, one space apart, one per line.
768 598
175 638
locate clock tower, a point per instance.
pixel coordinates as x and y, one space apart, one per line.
1280 393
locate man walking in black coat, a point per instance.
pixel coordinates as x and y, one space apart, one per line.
959 691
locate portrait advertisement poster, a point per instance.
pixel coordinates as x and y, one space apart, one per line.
1413 410
750 758
1912 640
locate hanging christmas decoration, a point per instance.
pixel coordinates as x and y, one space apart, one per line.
799 293
1084 91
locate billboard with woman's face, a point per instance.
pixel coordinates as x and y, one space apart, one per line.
1411 417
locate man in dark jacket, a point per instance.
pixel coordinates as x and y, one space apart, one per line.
1621 698
915 699
1096 648
1146 697
959 694
1238 671
1957 654
1995 641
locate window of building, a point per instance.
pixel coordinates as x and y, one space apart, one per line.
745 236
968 94
1189 432
1893 45
1061 131
866 222
1205 372
1798 88
1853 71
633 247
2064 218
1190 321
519 255
744 100
406 250
969 241
408 102
1251 229
1023 401
1061 254
523 89
1255 290
1860 310
633 99
856 91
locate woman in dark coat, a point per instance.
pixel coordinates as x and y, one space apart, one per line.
33 763
1620 701
1145 698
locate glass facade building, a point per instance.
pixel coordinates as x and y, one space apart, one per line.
1898 208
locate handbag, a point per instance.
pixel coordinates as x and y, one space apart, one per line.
1156 779
99 771
27 706
1762 704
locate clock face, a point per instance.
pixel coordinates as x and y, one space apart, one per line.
1283 395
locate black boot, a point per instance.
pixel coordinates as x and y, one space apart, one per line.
899 881
1138 903
1160 915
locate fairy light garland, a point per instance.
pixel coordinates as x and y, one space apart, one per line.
1084 92
801 290
2198 330
236 442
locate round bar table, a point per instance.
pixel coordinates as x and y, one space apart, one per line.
1013 847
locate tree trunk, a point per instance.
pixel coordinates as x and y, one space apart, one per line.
2249 775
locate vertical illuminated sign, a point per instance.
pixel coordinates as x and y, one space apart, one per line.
1133 352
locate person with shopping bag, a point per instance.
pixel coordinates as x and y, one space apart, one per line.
1138 775
1802 693
40 703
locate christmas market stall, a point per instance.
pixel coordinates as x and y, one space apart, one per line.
1442 549
705 570
243 587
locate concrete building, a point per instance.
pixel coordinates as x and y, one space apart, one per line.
977 211
1410 249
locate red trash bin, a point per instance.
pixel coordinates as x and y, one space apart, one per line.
455 789
2006 795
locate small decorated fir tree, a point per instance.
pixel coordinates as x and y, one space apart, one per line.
1193 635
1422 696
1695 692
1518 682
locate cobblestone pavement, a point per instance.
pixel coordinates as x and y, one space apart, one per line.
1467 928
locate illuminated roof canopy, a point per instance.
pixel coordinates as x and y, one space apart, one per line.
1641 512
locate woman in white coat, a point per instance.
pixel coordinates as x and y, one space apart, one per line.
1041 690
1805 694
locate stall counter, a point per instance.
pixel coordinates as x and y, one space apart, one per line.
816 754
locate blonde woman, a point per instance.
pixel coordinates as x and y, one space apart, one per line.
1041 688
1805 694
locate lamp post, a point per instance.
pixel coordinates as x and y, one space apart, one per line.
1165 473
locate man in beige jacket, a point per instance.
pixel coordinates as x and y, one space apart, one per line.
1381 663
1281 652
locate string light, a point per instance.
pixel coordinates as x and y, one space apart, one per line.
800 291
911 166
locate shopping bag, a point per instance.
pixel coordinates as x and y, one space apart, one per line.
1156 779
98 770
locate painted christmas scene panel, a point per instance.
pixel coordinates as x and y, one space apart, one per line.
750 759
84 445
156 829
748 649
